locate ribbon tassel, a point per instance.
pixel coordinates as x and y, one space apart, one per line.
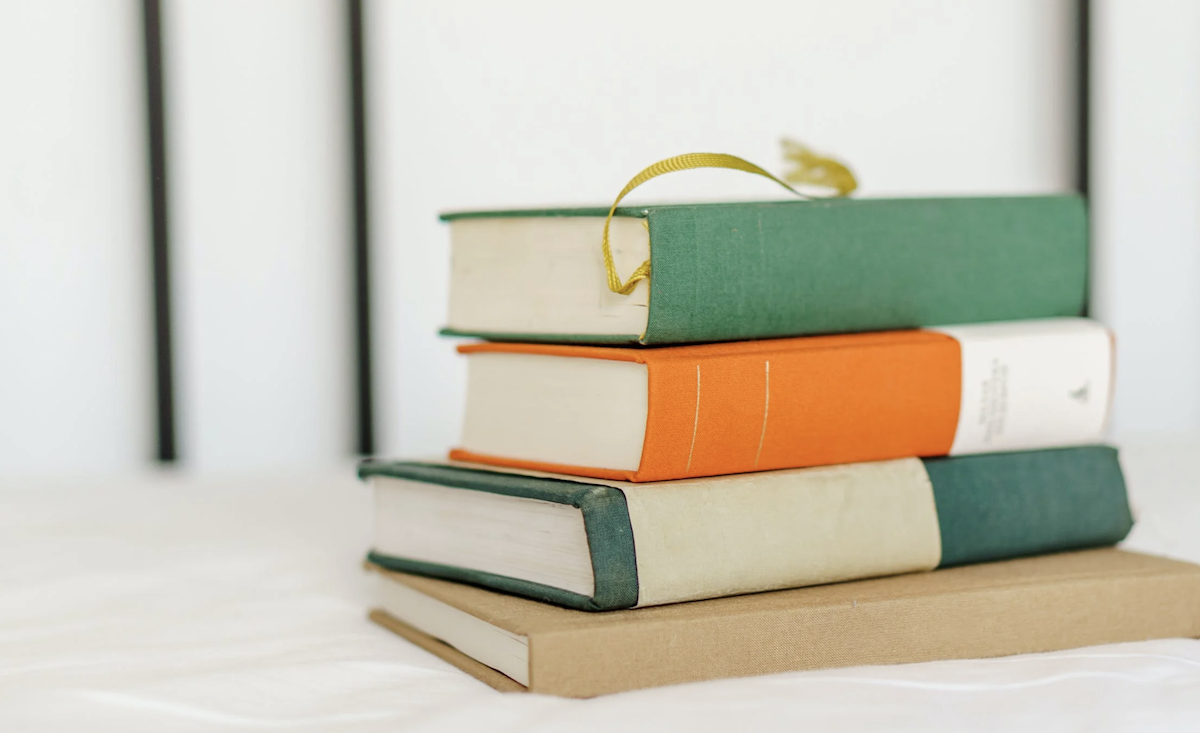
808 169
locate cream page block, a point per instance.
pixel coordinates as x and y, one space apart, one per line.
545 274
415 520
531 407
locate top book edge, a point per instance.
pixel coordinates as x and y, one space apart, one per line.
643 211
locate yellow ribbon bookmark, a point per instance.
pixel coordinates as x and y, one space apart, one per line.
808 169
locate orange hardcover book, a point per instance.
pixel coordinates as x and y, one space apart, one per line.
640 414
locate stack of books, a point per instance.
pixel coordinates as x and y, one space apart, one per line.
819 434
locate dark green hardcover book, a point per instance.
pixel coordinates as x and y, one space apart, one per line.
736 271
601 545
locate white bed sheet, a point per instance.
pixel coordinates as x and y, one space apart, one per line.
170 604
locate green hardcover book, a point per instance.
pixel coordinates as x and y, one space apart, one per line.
599 545
735 271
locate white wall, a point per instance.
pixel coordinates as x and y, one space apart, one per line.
75 328
528 102
486 104
1146 208
260 221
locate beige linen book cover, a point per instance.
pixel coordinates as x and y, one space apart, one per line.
1033 604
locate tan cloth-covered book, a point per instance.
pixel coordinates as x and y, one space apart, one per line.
1033 604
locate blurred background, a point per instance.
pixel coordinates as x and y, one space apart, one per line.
219 245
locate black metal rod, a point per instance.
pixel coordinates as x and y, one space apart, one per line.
362 278
1083 99
164 377
1083 118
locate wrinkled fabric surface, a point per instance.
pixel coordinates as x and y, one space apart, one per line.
164 603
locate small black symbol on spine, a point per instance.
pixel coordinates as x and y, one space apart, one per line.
1081 394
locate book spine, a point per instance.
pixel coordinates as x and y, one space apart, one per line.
966 389
1002 505
751 271
861 399
920 618
713 537
1032 384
